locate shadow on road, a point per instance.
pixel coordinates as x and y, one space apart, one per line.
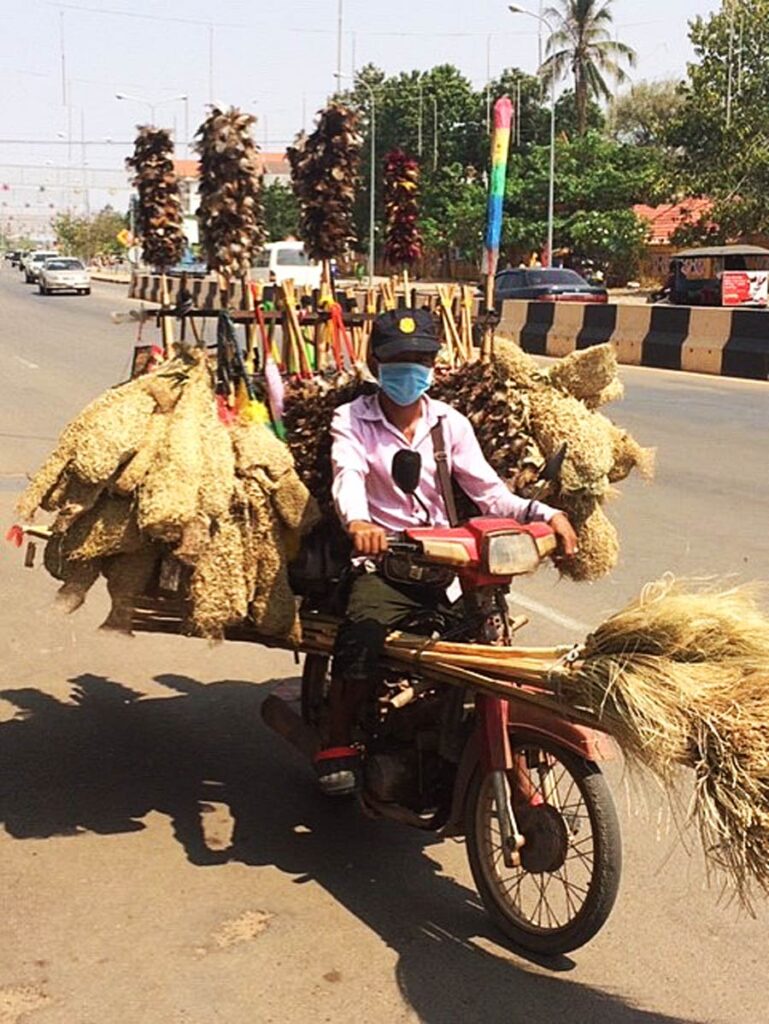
102 763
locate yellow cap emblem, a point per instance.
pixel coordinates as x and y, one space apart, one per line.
407 325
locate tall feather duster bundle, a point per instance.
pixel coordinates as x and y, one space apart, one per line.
403 242
159 219
230 211
324 171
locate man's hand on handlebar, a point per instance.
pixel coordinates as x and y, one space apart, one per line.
367 538
564 531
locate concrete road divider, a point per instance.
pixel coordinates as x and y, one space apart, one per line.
732 343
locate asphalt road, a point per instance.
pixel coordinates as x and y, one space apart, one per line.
165 859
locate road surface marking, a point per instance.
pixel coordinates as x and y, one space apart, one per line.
550 613
26 362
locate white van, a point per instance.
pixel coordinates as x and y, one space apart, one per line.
282 261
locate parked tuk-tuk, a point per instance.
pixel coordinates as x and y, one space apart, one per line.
720 275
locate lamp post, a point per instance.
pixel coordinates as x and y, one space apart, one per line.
551 184
434 101
372 182
153 104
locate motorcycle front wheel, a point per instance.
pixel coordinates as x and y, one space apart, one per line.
564 889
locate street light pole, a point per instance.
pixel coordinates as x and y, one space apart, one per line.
419 124
372 181
435 132
551 182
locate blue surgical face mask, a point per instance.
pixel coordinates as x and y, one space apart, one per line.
404 383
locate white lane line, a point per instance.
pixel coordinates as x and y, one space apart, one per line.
26 362
549 613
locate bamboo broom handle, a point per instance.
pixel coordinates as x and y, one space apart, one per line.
250 305
167 327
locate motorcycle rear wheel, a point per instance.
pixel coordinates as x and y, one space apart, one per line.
564 890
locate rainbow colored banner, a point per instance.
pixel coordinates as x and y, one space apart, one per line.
500 146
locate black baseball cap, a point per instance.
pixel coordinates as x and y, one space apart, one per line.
403 330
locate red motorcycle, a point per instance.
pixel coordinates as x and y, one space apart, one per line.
520 782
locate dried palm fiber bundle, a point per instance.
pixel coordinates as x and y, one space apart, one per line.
71 497
168 496
217 468
128 577
498 411
557 418
80 577
256 447
159 210
109 528
585 373
196 534
87 443
613 392
629 455
218 586
403 242
325 168
230 212
679 677
273 608
598 550
515 364
309 409
132 475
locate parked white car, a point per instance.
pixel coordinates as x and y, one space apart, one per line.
64 273
33 263
283 261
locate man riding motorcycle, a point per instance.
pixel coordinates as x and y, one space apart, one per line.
367 435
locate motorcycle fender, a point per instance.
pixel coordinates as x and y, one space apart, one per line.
582 741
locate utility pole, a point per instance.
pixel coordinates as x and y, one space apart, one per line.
488 83
339 40
730 68
419 122
63 60
210 63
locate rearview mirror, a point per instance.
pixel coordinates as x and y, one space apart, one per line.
407 470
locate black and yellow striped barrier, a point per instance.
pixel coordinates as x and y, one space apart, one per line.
728 342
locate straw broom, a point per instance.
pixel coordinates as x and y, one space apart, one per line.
679 678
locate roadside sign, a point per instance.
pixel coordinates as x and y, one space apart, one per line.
745 288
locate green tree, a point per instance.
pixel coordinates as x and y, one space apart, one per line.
643 115
90 236
281 212
721 129
580 42
597 181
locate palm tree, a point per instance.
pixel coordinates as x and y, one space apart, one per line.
580 42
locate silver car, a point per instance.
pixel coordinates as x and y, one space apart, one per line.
64 273
33 262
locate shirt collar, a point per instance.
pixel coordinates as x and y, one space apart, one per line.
370 409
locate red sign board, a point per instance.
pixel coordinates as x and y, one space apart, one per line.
745 288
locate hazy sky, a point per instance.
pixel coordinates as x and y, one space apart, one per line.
276 58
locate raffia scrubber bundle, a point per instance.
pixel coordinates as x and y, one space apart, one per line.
230 211
221 500
159 209
681 677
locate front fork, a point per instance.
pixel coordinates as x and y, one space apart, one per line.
497 759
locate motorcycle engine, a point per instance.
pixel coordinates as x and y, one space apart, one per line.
393 777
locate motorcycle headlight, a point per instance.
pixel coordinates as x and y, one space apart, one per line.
512 554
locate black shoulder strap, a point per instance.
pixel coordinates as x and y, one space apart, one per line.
444 477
